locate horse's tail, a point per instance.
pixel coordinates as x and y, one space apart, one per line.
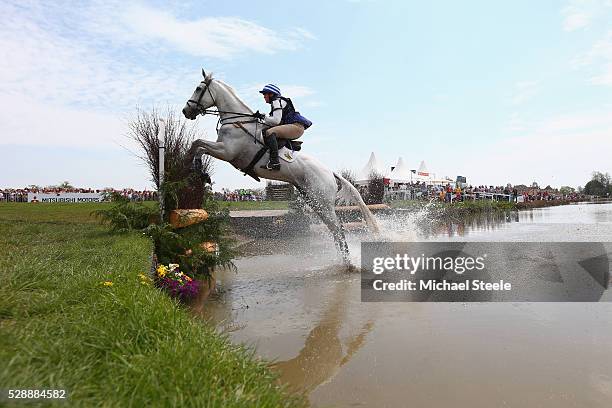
348 192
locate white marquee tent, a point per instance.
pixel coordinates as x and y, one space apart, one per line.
422 174
371 166
401 173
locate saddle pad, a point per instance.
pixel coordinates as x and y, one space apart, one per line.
287 154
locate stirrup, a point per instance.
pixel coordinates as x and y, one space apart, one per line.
271 166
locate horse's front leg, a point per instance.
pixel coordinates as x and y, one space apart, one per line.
214 149
199 148
218 151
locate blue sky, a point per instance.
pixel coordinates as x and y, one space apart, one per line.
496 91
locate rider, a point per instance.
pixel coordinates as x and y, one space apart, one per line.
284 122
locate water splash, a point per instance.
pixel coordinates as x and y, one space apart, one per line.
398 225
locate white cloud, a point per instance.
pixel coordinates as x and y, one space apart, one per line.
580 14
291 90
605 77
599 121
297 91
217 37
563 150
40 63
600 50
78 55
26 121
575 17
524 90
597 61
302 33
300 94
314 104
515 124
66 73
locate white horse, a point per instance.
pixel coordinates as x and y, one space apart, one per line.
239 142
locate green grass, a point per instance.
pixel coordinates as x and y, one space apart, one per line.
467 207
50 212
474 207
80 212
125 345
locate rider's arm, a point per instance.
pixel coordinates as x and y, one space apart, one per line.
274 118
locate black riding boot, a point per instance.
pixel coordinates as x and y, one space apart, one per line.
272 143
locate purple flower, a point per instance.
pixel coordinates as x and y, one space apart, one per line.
180 287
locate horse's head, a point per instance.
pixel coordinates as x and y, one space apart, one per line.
201 99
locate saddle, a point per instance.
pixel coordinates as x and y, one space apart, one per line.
295 145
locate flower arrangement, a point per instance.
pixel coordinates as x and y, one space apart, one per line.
176 283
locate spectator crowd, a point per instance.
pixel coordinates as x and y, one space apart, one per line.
417 190
239 195
21 194
457 192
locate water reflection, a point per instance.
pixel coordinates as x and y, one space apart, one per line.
432 227
322 355
544 224
290 302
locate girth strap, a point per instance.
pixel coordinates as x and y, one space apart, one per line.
248 170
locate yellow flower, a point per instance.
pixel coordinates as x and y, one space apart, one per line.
144 283
144 279
107 283
188 278
161 271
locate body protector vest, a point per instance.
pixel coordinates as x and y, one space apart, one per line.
290 115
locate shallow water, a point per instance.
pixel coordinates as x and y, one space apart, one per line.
292 302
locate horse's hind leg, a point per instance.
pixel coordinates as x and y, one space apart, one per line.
325 210
330 219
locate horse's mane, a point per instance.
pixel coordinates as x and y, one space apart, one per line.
235 95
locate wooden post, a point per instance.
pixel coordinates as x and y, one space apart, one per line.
161 139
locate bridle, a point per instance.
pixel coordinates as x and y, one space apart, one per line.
203 111
198 104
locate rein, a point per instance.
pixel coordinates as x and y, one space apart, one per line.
203 111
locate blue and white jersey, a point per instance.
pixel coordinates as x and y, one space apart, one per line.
276 113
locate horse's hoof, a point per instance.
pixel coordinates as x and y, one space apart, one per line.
350 268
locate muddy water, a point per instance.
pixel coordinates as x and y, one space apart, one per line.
293 303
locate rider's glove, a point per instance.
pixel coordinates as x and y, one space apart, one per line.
259 115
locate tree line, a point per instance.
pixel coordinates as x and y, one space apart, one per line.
600 185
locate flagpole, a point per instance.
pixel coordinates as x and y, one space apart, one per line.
161 140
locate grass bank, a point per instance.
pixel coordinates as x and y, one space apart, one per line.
457 208
122 345
544 203
464 208
480 206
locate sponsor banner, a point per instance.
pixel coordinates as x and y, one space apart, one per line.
65 197
486 271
